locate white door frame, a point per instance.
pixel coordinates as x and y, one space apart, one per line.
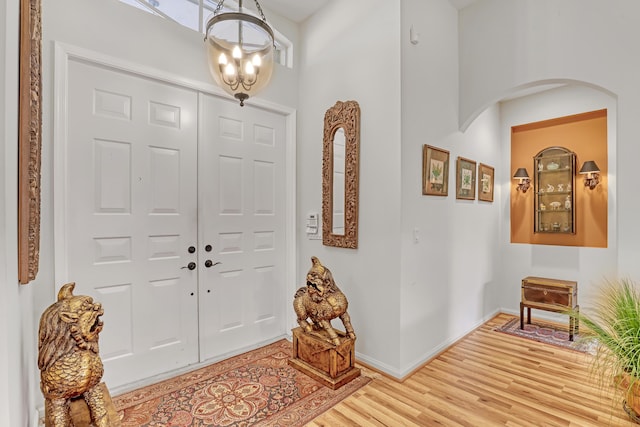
63 53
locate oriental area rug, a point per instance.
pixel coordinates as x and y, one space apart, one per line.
548 333
257 388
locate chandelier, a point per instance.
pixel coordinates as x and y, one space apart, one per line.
240 51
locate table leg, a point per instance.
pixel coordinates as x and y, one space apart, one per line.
521 316
528 315
571 326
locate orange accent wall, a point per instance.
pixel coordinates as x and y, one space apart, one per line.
586 135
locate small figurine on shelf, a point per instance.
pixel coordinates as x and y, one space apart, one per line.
560 187
550 188
568 187
543 207
540 166
567 203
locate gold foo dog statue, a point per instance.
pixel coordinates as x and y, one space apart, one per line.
320 302
68 358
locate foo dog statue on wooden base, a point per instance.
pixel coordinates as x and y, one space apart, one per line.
320 302
70 366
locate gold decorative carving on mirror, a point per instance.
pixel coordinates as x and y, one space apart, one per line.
341 163
29 140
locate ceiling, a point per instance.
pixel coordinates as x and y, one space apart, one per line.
299 10
295 10
461 4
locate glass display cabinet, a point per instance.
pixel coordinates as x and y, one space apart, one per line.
554 183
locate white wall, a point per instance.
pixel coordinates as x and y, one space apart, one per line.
408 300
589 266
506 44
16 356
449 282
351 51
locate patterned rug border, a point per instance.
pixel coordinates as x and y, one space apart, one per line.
296 414
331 398
579 344
204 373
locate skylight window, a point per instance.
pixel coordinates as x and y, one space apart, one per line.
194 14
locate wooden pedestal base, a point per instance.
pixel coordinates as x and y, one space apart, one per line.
80 415
332 365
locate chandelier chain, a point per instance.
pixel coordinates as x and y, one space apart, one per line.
221 3
218 7
260 11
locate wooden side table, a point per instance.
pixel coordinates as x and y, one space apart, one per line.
551 295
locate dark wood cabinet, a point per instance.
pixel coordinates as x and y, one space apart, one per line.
551 295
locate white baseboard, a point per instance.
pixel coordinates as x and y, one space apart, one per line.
400 374
38 417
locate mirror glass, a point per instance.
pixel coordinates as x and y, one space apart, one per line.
340 169
338 181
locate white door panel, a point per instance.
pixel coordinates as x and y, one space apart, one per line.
241 193
131 215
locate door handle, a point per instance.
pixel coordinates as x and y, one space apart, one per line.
208 263
190 266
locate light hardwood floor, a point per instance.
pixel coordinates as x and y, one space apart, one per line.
486 379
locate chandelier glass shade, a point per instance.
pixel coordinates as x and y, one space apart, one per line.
240 51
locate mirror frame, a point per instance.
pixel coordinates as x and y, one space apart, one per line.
29 140
344 115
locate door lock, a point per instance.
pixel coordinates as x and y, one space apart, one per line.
190 266
208 263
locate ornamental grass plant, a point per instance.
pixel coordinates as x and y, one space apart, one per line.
614 322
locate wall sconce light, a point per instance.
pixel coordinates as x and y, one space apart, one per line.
592 171
523 180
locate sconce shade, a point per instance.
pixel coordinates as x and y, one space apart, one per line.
240 51
589 167
521 173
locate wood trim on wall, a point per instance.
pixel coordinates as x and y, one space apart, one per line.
29 140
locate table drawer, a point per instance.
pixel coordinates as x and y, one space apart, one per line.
544 295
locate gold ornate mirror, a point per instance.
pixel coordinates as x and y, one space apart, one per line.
340 170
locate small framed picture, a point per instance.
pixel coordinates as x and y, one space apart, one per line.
485 183
465 179
435 171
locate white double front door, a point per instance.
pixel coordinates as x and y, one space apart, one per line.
173 218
